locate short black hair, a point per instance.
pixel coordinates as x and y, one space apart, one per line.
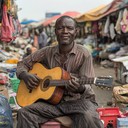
65 16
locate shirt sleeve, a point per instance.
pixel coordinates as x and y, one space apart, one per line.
27 63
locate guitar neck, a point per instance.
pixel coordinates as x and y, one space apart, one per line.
98 81
65 82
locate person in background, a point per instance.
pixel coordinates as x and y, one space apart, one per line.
78 100
42 38
28 51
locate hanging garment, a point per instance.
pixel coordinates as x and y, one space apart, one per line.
106 27
12 27
7 27
124 22
112 31
95 27
118 26
1 9
17 27
88 27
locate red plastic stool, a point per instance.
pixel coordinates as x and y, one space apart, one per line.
109 116
52 124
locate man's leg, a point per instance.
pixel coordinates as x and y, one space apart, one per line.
85 120
40 112
83 113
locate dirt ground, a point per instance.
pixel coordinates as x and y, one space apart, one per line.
103 95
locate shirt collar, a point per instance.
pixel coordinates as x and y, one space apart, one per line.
73 51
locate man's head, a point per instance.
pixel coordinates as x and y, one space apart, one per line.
66 30
41 29
28 50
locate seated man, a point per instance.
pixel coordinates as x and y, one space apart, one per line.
78 101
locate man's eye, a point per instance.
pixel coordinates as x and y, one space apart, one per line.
70 28
60 28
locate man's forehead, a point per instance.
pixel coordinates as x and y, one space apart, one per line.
66 21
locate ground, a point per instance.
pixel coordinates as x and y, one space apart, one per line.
103 95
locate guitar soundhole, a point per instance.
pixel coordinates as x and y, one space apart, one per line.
46 83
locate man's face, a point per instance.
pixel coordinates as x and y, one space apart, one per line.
65 31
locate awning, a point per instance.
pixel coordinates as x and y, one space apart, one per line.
28 22
35 24
52 19
73 14
102 11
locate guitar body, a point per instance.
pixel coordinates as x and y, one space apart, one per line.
51 94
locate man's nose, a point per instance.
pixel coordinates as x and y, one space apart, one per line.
65 29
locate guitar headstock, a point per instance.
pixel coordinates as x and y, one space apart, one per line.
104 81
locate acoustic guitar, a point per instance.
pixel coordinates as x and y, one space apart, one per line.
51 87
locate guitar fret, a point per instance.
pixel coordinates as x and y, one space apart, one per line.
65 82
58 82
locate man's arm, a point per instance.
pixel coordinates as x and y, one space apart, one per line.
23 67
27 63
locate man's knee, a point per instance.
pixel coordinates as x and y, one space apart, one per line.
21 112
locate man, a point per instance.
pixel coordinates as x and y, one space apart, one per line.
78 101
42 38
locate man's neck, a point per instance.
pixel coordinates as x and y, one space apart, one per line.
64 49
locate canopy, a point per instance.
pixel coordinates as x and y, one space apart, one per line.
102 11
54 18
35 24
28 21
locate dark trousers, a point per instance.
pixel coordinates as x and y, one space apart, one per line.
40 112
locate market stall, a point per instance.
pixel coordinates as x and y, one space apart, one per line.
106 25
9 56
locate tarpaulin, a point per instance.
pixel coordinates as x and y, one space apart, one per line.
102 11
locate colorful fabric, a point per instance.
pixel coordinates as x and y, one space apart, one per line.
103 11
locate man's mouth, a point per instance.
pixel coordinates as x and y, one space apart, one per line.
65 37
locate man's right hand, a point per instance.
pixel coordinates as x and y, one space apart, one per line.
31 80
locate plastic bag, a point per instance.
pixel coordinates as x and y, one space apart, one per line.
120 93
6 120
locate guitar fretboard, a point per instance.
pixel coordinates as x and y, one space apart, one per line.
49 82
98 81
